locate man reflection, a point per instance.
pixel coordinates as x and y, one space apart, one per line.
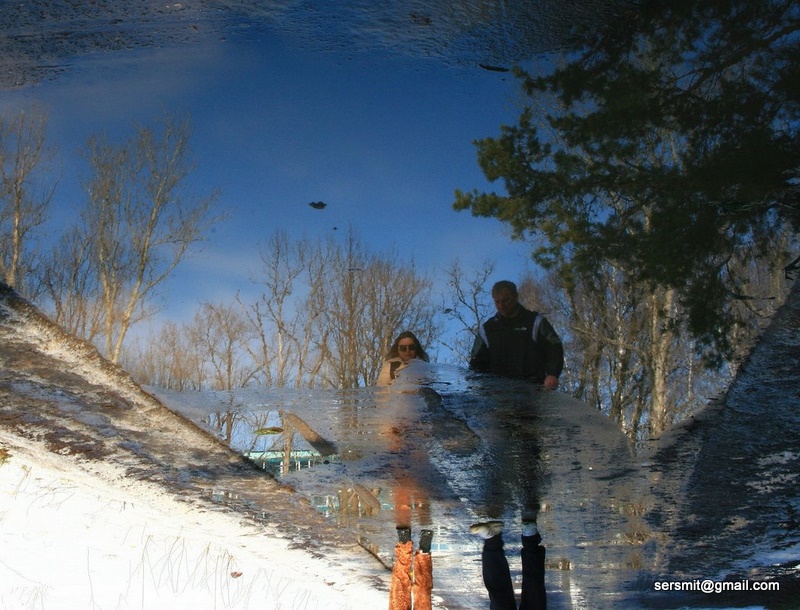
496 574
517 342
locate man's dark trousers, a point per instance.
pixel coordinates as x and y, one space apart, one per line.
497 576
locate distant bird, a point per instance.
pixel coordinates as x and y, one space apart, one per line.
318 205
494 68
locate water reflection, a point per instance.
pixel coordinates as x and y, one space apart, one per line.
447 450
488 32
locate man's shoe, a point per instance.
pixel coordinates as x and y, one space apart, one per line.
486 530
403 534
425 538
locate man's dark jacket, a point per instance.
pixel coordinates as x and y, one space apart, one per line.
525 346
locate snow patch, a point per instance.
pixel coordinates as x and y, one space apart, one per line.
131 545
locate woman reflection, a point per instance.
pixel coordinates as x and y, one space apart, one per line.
404 349
412 573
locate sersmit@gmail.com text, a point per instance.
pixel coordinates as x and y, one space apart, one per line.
713 586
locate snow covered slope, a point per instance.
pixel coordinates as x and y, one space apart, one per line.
108 498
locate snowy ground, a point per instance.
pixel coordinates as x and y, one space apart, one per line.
109 500
74 539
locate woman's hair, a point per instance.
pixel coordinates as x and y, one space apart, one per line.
407 334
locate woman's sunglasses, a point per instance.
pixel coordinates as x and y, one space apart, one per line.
405 348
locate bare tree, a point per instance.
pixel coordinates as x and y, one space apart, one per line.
167 359
326 317
283 319
370 298
626 348
184 367
22 209
71 287
397 298
138 222
314 350
221 334
469 304
330 310
620 343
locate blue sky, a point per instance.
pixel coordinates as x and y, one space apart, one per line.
383 139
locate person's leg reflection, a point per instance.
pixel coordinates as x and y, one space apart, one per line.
423 572
494 566
400 587
411 587
496 575
534 595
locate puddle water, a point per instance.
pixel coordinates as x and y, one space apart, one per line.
444 450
